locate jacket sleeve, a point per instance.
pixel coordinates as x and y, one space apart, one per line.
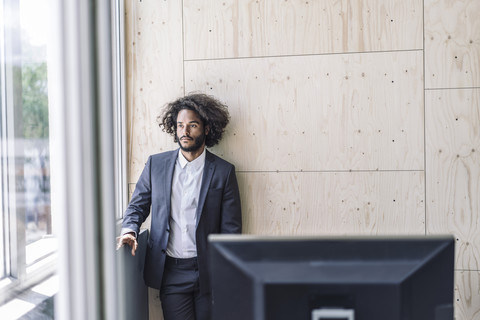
231 207
139 207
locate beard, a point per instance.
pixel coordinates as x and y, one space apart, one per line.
198 143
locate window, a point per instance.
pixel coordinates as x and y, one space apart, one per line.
28 235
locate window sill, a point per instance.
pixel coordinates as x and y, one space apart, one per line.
41 259
29 299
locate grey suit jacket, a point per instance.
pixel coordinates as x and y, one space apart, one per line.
218 210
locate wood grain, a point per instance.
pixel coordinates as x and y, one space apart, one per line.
452 43
240 28
467 295
453 170
313 203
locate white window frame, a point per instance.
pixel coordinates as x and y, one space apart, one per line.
120 123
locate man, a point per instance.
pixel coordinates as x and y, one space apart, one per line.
192 193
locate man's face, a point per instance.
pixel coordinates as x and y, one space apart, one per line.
190 131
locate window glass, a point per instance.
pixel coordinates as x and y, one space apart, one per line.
26 227
34 135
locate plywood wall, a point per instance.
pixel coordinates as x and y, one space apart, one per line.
348 117
452 135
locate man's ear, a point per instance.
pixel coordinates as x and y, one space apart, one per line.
207 130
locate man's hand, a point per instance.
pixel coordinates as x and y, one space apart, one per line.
128 238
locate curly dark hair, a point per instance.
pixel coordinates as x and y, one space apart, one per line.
212 112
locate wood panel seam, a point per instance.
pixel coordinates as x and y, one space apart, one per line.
424 123
452 88
324 171
303 55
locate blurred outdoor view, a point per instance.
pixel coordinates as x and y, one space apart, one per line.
26 225
34 138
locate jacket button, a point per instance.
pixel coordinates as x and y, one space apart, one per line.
168 230
163 251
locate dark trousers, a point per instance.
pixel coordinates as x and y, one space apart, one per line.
180 292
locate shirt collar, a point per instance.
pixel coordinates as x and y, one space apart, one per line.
198 162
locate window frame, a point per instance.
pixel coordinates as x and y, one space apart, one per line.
120 123
15 275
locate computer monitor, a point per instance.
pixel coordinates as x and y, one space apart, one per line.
359 278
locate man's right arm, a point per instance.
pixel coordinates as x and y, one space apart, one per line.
138 209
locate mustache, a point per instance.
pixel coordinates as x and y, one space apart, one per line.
185 137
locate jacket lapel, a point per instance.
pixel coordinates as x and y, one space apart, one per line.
169 167
208 171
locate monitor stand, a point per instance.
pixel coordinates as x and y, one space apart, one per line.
333 314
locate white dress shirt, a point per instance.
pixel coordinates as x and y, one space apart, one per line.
187 180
